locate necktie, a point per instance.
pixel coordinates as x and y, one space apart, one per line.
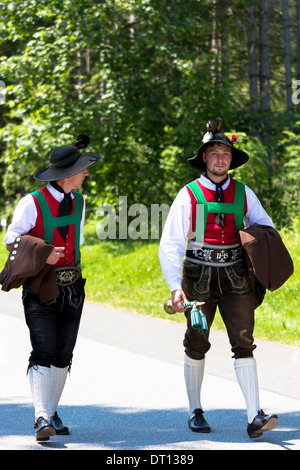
219 197
65 208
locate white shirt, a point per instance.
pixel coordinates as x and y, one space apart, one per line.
25 215
173 241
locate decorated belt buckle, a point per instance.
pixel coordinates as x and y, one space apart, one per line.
211 255
67 275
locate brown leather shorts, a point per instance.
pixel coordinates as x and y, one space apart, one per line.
229 289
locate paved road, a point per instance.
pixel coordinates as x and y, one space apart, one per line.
126 389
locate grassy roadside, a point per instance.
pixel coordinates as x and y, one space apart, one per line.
127 274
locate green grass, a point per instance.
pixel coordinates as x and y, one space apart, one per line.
126 274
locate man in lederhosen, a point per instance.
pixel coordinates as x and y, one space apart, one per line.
209 213
55 214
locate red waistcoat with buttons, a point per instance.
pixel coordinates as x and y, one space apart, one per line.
38 230
214 234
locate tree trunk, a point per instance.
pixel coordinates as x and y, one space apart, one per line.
225 39
264 78
287 54
264 72
214 47
253 92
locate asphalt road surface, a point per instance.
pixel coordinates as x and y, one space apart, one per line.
126 389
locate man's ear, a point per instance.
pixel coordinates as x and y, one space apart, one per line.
204 157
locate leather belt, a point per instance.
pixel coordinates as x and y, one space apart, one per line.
213 255
67 275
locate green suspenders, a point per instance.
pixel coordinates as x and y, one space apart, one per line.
204 208
50 222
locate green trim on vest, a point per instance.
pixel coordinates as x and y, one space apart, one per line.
50 222
204 208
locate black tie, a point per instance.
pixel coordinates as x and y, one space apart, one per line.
65 208
219 197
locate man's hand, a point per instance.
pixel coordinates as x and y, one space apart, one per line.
178 296
55 254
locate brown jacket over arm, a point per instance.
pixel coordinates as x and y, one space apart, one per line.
268 260
26 265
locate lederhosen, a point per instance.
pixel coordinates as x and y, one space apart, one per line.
54 325
216 274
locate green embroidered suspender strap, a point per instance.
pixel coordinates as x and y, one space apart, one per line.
50 222
204 208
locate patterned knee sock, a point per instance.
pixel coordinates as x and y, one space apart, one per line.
246 374
193 374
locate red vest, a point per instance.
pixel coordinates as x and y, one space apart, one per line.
213 233
38 230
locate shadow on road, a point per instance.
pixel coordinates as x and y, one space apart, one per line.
129 429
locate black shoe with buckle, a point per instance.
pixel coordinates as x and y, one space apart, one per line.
197 423
43 429
58 425
262 423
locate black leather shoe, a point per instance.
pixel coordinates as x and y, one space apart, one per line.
261 423
198 423
58 425
43 429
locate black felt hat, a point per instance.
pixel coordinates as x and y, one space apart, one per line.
213 135
67 161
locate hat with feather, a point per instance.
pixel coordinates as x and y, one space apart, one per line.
68 160
214 136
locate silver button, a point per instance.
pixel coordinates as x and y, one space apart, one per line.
14 252
12 258
16 245
18 239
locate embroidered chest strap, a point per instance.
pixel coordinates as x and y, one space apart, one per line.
204 208
50 222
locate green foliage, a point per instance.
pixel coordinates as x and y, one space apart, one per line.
141 78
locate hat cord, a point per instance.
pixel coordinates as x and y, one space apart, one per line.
65 161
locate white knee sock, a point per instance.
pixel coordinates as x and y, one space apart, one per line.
39 379
193 374
58 379
246 374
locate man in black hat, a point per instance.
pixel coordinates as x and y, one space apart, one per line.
209 212
54 213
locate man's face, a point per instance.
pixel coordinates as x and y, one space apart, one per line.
218 159
77 180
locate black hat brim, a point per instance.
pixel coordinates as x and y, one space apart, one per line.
53 174
239 157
